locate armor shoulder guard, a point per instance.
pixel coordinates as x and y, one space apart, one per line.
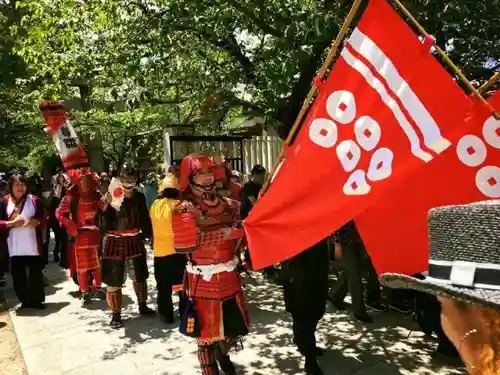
185 227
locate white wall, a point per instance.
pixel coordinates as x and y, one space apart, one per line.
261 150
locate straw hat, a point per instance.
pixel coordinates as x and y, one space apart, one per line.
464 255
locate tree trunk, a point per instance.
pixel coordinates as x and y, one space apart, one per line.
94 144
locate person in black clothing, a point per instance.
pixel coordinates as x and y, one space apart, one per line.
251 190
305 287
354 261
249 196
427 311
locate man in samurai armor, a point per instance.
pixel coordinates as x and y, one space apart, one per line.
79 213
126 226
214 286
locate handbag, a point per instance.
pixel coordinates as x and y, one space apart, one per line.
190 323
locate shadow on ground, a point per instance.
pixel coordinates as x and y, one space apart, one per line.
388 346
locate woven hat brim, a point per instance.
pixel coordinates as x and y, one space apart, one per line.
484 297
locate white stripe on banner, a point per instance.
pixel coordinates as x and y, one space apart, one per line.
367 48
374 82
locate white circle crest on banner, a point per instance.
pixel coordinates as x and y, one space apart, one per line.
357 184
368 132
341 106
471 150
380 164
488 181
349 154
491 132
323 132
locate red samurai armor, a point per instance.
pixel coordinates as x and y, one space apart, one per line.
212 271
78 213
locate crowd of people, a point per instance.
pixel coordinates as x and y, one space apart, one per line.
192 216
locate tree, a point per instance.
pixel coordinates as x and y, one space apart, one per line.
205 62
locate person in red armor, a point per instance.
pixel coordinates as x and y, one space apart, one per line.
78 213
213 279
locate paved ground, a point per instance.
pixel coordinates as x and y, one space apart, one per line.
11 357
67 339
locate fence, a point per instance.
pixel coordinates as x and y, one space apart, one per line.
243 153
261 150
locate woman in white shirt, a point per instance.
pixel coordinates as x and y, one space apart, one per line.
22 219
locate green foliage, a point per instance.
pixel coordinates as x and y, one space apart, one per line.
142 64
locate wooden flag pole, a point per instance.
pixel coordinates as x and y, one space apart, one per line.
441 53
486 86
489 83
309 99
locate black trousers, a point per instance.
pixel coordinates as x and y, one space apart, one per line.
114 271
27 277
169 271
304 330
353 265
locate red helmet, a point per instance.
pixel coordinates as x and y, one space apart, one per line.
190 165
77 174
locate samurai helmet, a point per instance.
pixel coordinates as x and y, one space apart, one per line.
190 166
77 174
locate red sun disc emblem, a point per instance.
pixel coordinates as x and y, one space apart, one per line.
117 193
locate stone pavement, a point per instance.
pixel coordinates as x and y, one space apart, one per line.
66 339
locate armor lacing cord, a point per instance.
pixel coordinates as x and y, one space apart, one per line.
208 359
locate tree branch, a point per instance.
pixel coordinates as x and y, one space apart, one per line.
287 111
259 21
231 46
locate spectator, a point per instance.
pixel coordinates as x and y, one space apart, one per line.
22 220
248 196
354 259
305 287
251 189
463 274
4 258
169 266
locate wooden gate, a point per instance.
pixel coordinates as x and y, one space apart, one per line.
179 146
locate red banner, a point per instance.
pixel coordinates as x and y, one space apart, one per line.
395 230
383 113
64 135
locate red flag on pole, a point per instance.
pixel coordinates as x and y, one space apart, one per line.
387 109
394 230
68 145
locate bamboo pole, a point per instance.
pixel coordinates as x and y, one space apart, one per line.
441 53
486 86
309 99
489 83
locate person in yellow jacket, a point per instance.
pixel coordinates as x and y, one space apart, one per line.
168 266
